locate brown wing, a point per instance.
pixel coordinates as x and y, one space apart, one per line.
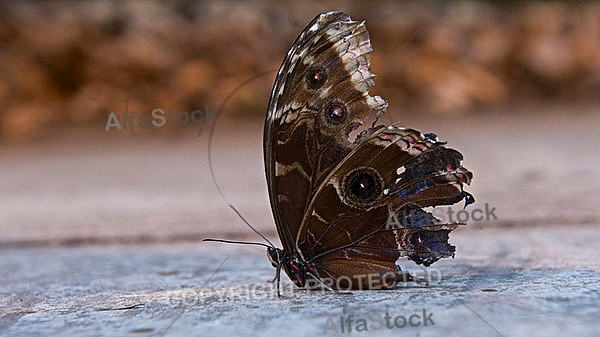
320 95
332 194
396 171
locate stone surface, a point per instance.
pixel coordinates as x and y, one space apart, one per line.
524 282
100 235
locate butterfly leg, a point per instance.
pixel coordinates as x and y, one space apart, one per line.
277 279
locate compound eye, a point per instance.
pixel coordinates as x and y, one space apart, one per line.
274 256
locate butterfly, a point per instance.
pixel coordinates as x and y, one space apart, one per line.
335 180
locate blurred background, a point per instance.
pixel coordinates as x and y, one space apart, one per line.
67 65
512 84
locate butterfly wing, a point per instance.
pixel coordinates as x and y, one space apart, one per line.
301 145
334 181
392 174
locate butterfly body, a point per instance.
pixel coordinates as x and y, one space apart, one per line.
334 179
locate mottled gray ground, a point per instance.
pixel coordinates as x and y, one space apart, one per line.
491 288
100 235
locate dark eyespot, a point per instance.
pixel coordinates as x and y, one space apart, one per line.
362 187
335 113
316 77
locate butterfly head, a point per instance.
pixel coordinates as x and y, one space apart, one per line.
275 255
297 269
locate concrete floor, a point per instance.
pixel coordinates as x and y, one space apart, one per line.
100 235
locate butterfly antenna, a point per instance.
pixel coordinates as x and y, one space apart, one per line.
210 141
237 242
249 225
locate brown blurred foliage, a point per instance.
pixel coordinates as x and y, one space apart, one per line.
68 65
